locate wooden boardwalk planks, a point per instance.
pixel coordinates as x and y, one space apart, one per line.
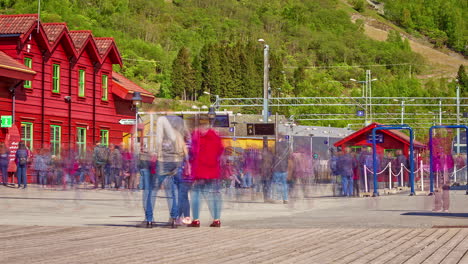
226 245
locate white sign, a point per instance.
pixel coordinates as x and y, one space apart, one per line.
127 121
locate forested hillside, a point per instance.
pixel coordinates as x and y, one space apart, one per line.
180 48
443 21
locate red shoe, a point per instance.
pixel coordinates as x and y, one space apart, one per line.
195 223
216 223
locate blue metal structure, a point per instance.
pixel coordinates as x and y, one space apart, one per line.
431 150
374 153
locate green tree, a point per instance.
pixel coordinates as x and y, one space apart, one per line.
462 79
298 78
211 69
183 76
359 5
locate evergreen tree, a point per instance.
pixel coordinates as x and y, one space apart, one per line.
299 77
211 69
251 58
183 76
276 74
462 78
197 68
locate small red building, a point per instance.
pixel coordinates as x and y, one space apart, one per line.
59 86
389 140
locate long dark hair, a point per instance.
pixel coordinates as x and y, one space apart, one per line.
3 147
21 145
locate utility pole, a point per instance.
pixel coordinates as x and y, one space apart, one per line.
440 112
458 119
370 94
402 111
369 81
266 79
367 97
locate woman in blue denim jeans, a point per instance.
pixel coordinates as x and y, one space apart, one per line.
4 160
21 159
148 202
281 164
183 182
207 148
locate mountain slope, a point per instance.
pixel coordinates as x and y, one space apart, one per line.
442 64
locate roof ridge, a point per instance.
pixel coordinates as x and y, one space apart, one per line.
54 23
20 15
80 31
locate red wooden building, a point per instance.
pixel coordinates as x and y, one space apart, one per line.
67 96
391 140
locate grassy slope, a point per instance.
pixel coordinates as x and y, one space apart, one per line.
441 63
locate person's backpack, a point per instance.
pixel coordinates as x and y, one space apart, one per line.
101 155
22 157
334 165
23 161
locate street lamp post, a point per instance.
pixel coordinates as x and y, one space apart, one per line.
266 81
363 85
136 101
364 95
369 81
234 123
367 95
197 119
291 126
440 112
403 109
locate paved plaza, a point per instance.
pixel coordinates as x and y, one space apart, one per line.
100 226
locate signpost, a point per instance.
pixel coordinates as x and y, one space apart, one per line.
7 121
127 121
379 138
261 129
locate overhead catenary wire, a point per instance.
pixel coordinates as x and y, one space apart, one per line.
129 59
351 66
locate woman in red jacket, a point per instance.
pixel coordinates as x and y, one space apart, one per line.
207 149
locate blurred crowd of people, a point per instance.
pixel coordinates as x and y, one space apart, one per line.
349 167
194 165
111 166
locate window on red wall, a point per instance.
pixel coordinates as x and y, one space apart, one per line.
28 63
27 134
105 87
56 78
81 82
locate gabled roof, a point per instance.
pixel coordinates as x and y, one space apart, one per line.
50 34
124 88
103 44
54 30
17 24
84 40
9 67
79 38
107 48
395 133
58 33
22 26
